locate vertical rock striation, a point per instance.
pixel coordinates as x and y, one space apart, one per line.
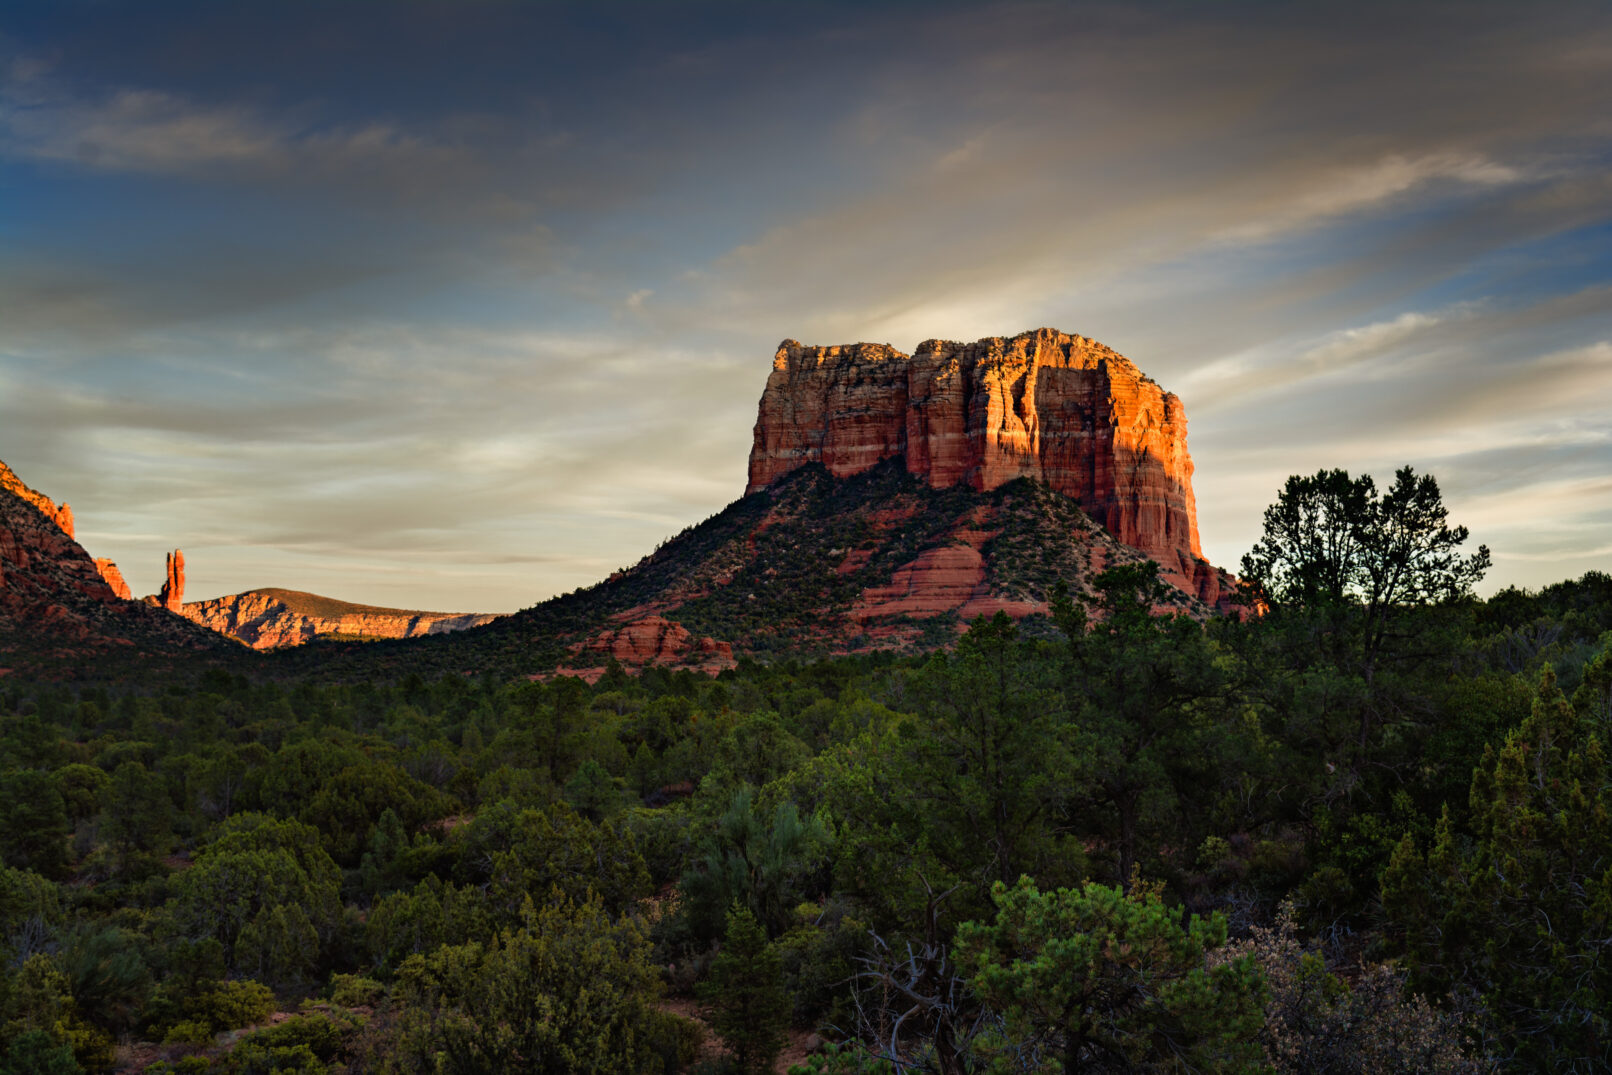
114 578
172 596
1060 408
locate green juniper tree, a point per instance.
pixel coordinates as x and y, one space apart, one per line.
1107 981
747 1004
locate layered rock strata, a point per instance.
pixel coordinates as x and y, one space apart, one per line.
1060 408
656 640
275 618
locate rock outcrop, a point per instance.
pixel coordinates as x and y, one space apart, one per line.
275 618
649 640
56 605
47 581
1063 409
60 514
114 578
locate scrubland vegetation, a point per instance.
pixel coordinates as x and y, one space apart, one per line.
1367 830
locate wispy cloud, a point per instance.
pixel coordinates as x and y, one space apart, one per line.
153 131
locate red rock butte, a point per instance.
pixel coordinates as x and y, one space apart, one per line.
1059 408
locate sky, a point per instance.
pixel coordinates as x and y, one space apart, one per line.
457 306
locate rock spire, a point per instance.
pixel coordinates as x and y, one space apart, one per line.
172 595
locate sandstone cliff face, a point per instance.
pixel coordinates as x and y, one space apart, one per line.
274 618
60 514
1063 409
47 581
114 578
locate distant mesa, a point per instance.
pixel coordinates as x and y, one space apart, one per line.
893 498
275 618
1059 408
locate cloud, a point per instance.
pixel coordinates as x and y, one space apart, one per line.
158 132
1356 188
418 331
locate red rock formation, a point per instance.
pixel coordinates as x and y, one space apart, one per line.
60 514
939 580
114 578
172 596
1047 405
273 618
55 602
47 581
656 640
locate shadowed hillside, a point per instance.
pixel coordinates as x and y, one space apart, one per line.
811 565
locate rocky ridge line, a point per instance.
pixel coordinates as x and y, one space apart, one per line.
275 618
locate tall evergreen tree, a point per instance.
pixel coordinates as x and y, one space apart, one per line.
748 1006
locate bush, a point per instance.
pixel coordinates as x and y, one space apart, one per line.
355 991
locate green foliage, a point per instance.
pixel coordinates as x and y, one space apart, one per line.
847 1059
34 1052
30 910
568 993
353 991
418 921
519 854
1141 687
990 759
744 995
755 752
83 788
859 808
40 998
1519 912
266 890
137 816
195 1014
592 792
351 802
1331 538
107 974
1108 981
766 863
303 1042
33 823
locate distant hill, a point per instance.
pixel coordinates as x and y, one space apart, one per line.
272 618
58 614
